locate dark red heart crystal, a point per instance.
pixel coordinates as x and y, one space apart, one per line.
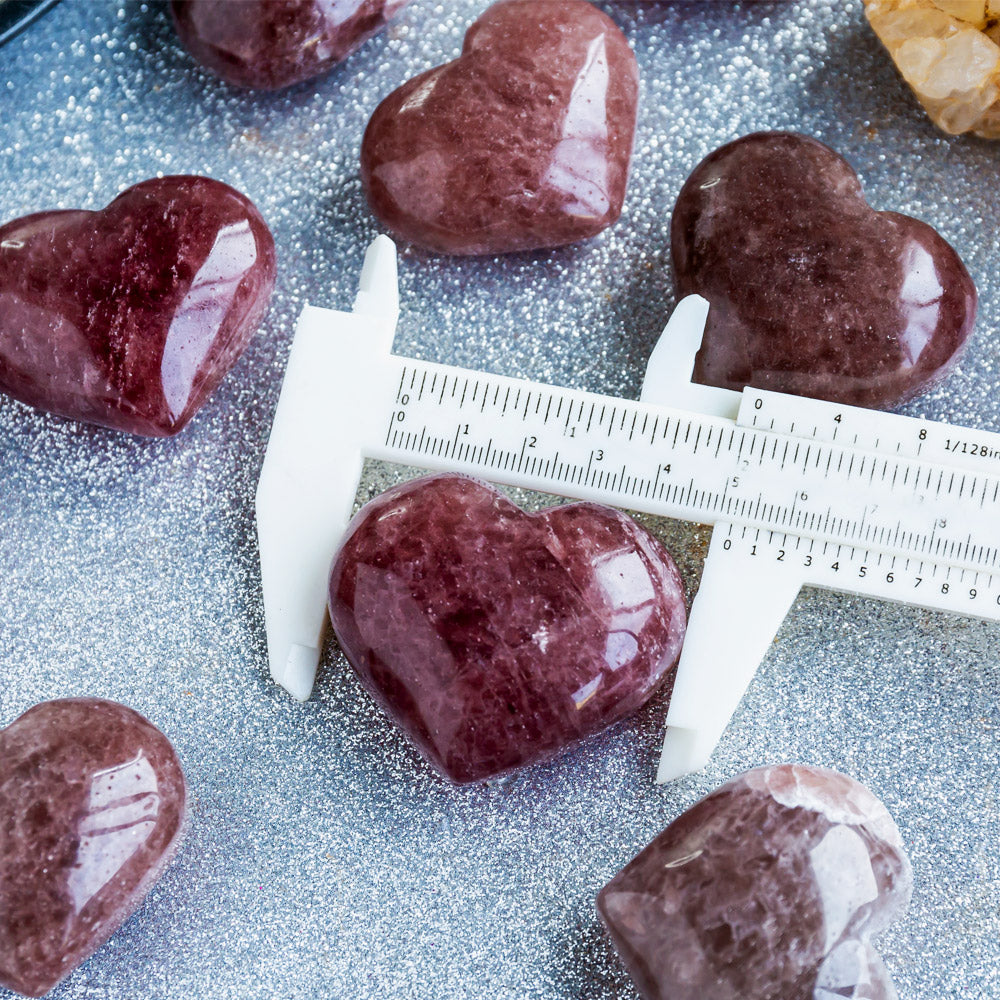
494 638
521 143
812 291
269 44
129 317
92 802
768 889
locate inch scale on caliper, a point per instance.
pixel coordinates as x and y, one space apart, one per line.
800 491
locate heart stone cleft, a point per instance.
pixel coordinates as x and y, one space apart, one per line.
768 889
495 638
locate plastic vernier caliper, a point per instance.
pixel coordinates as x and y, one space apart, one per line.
799 491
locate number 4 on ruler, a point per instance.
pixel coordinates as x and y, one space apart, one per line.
800 491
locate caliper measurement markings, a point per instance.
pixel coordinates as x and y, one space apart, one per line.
694 466
897 577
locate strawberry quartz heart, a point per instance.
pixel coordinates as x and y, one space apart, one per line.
768 889
269 44
92 800
494 638
813 292
523 142
129 317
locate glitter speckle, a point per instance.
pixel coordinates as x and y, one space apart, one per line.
323 858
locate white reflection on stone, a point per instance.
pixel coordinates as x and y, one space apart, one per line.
620 649
422 94
203 311
854 971
581 697
919 301
624 580
845 881
579 167
122 808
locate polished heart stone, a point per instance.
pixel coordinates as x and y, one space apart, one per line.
494 638
129 317
269 44
92 801
813 292
522 142
768 889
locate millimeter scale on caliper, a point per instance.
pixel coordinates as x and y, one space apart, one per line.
800 491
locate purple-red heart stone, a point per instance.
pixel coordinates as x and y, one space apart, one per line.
92 802
767 889
495 638
522 142
269 44
812 291
129 317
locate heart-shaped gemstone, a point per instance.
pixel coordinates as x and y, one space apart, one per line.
269 44
92 801
129 317
522 142
767 889
493 637
811 290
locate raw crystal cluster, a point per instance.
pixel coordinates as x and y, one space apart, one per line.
92 802
129 317
522 142
768 889
269 44
494 638
813 292
949 53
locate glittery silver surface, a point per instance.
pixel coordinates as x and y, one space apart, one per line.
324 860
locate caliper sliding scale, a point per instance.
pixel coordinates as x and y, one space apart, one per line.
799 491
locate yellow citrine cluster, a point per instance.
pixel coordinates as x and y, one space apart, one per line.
949 53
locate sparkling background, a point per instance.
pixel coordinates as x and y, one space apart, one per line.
323 858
